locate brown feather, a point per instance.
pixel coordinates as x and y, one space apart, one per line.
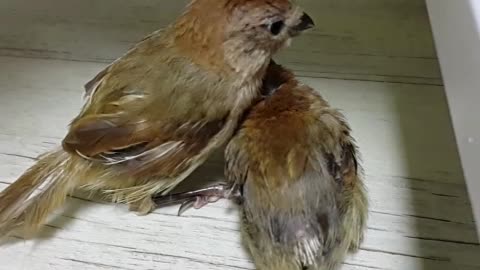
292 166
91 85
303 204
156 113
18 207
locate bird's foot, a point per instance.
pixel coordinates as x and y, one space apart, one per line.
197 198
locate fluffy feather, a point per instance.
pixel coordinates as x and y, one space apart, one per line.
156 113
303 201
292 166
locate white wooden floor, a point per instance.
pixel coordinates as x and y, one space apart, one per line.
373 58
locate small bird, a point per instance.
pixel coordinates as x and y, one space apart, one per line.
155 114
292 167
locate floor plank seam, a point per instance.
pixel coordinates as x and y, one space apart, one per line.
108 61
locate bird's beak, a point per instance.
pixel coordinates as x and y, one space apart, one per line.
305 22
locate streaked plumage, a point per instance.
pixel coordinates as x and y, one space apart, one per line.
292 166
303 199
156 113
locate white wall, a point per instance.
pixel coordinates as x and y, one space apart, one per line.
456 28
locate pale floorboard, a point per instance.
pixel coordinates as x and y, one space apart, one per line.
374 59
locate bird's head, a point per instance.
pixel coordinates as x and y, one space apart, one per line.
239 36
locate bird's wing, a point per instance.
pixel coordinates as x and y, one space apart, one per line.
144 147
96 81
122 124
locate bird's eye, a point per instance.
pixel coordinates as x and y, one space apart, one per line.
276 27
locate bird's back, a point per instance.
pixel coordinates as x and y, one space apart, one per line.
294 157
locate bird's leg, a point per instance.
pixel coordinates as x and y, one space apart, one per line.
197 198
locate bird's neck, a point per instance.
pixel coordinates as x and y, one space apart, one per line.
202 40
199 39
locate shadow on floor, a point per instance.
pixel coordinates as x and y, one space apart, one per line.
445 235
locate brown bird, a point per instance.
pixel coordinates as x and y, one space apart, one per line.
156 113
292 166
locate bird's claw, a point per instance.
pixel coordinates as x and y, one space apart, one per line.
197 198
185 206
197 203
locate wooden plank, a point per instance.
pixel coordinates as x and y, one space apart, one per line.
410 121
420 216
204 239
380 40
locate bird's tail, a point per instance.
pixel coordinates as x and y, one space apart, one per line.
39 191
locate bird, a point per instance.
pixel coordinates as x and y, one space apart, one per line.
156 113
293 169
